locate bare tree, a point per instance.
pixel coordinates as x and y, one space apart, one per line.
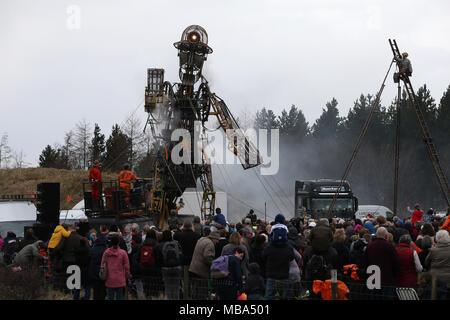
246 119
5 151
69 149
19 159
82 141
133 128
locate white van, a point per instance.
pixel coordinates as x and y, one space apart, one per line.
15 216
376 210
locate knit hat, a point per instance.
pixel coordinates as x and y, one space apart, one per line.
214 235
280 218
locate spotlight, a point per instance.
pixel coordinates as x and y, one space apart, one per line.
193 37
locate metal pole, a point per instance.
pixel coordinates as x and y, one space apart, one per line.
397 151
265 211
334 293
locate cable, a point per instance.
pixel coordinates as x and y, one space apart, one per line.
274 192
267 191
282 189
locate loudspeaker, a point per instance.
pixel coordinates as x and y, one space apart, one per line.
43 231
88 200
47 203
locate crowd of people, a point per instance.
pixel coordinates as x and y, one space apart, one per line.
281 259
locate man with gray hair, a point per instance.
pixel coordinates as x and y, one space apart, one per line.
381 253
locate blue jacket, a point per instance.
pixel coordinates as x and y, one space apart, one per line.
369 226
220 218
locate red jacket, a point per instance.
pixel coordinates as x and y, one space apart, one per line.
94 174
407 277
416 216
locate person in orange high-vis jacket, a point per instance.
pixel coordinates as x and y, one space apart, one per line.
446 225
125 179
95 177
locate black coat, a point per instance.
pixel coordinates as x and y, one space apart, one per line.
96 254
277 260
343 254
219 246
321 238
331 257
256 255
137 269
82 260
187 240
67 248
254 284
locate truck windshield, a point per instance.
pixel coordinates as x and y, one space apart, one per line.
341 205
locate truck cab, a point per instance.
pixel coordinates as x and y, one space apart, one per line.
314 197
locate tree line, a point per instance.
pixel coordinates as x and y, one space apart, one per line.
84 144
323 149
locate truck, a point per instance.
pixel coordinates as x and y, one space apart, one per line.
313 199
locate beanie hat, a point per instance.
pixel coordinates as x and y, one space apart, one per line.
280 218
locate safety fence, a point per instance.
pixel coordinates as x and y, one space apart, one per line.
37 283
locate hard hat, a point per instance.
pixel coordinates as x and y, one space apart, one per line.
405 54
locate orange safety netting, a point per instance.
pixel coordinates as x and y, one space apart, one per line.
324 287
353 268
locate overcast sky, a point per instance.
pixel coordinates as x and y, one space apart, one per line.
64 61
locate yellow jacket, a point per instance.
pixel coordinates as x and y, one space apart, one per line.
57 235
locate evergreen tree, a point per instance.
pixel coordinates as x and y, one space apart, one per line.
326 127
48 157
97 144
118 147
266 119
293 124
53 158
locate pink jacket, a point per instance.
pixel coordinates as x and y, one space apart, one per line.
118 267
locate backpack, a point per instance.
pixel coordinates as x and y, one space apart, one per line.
147 256
219 267
278 236
171 254
317 268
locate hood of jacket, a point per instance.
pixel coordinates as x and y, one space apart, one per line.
36 244
58 228
112 252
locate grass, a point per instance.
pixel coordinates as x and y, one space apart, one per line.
25 181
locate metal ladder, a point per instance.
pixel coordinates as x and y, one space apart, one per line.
426 136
